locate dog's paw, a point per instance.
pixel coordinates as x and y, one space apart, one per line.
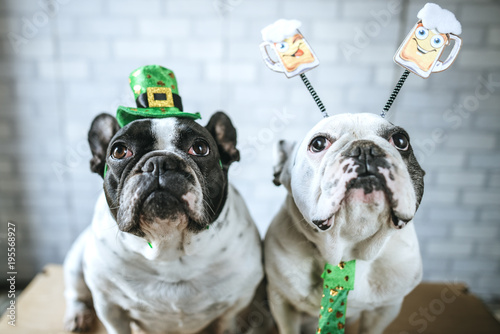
81 321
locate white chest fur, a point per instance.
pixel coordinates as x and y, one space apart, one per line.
183 283
384 280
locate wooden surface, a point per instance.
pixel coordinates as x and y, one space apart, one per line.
429 309
440 308
40 308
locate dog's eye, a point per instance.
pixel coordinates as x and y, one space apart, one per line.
200 148
400 141
319 144
120 152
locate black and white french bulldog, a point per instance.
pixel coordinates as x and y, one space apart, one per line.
172 247
354 186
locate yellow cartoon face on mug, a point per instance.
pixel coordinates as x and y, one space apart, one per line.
293 52
424 47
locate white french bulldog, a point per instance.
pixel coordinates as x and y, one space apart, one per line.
354 186
172 247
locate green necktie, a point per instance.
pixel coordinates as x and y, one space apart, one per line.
337 281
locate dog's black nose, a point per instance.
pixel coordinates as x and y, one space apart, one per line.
160 164
363 150
368 156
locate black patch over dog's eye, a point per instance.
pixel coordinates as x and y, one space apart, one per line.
120 151
319 144
400 141
200 148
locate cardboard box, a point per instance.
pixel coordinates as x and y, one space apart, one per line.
431 308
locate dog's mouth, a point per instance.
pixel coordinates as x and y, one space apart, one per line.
371 182
324 225
156 205
159 203
397 221
146 201
368 182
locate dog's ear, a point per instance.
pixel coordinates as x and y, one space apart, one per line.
103 128
282 157
224 133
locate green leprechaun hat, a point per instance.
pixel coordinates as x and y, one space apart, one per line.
156 94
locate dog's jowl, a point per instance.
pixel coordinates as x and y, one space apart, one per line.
172 247
354 186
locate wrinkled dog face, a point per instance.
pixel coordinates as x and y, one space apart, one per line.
356 170
158 175
166 174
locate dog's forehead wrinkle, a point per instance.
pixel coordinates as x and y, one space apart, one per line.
165 131
385 129
357 124
346 137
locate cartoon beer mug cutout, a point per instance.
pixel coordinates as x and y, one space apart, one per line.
424 45
292 54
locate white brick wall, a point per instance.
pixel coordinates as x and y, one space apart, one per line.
494 36
106 26
68 70
482 197
480 13
449 249
462 178
138 48
76 64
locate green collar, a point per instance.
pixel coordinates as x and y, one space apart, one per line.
337 281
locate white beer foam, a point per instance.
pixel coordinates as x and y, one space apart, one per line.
280 30
437 18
